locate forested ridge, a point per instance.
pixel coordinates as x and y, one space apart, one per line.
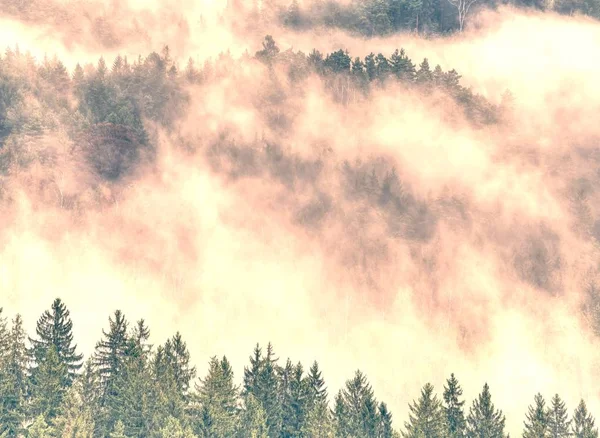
384 17
131 388
104 170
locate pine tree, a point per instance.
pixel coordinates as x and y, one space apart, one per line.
558 423
455 417
536 424
133 402
75 420
318 422
48 386
484 421
111 351
13 381
267 393
177 358
583 423
217 396
285 399
384 429
342 420
360 406
253 422
252 373
4 337
316 383
424 75
426 418
109 362
55 328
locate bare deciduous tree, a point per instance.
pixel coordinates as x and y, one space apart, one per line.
463 7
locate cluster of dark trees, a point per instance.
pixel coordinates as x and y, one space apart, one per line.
383 17
128 388
105 109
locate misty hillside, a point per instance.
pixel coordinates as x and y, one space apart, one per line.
400 196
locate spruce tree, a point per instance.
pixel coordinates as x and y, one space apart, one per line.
177 359
48 386
109 362
453 408
253 423
267 393
319 423
484 421
217 396
316 383
285 398
583 423
384 429
558 422
76 419
4 336
536 423
55 328
426 418
13 381
111 351
252 373
360 405
342 419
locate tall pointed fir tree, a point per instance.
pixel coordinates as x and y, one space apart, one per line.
359 406
384 429
484 421
13 381
536 420
318 422
267 392
453 408
558 422
48 386
426 417
217 399
109 361
583 423
55 328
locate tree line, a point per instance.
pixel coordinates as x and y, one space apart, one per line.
383 17
104 108
130 388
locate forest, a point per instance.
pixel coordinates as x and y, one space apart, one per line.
130 388
387 203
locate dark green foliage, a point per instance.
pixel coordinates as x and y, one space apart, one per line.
55 329
426 418
484 421
356 408
384 428
217 398
13 378
253 423
536 423
558 422
453 408
583 423
48 386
